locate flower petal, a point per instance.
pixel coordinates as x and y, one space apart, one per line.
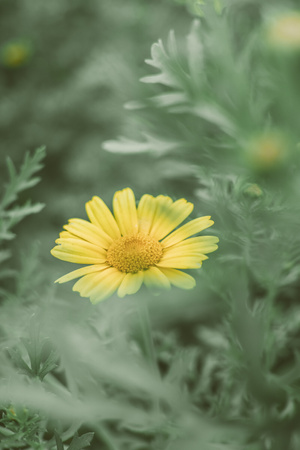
163 204
153 277
197 245
66 235
174 252
179 279
146 211
80 247
89 232
99 286
131 283
182 262
125 211
187 230
169 215
81 272
74 257
100 215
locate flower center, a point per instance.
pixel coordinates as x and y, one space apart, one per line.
134 252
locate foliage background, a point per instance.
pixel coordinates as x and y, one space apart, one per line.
215 121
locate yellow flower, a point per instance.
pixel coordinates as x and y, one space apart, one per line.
12 412
15 54
253 190
136 245
267 151
283 31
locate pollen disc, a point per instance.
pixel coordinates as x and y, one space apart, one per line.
133 253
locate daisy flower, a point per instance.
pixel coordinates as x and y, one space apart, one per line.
134 245
15 54
267 151
283 32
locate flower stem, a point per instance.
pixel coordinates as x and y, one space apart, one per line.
146 334
148 345
103 434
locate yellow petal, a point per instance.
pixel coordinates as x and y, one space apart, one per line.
163 204
89 232
131 283
146 211
107 288
153 277
199 240
100 215
75 258
99 286
65 235
80 247
125 211
182 262
80 272
173 252
187 230
179 279
206 248
198 245
169 215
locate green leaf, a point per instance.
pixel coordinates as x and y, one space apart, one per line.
29 275
214 114
40 363
7 273
6 432
4 255
11 168
17 358
24 179
59 443
18 213
79 443
49 365
169 63
11 214
26 184
6 235
150 144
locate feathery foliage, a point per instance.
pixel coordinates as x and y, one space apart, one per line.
11 213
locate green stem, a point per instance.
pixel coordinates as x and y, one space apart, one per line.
104 435
146 334
148 345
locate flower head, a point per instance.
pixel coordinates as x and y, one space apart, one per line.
267 151
283 32
16 54
253 191
135 245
